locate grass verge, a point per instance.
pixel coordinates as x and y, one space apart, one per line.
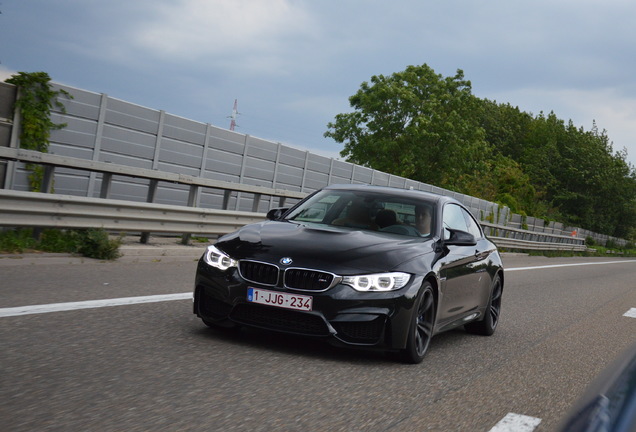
92 243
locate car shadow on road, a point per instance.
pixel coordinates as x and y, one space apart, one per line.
292 345
318 348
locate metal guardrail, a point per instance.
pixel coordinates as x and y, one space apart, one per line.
51 161
506 243
516 238
34 209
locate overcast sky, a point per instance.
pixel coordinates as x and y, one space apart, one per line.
293 64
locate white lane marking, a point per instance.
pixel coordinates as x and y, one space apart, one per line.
516 423
59 307
630 313
520 423
567 265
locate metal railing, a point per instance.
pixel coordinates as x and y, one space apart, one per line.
33 209
516 238
51 161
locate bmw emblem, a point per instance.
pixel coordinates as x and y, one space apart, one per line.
286 261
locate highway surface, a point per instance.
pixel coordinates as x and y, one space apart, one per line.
141 361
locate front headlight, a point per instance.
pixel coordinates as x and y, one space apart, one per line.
218 259
377 282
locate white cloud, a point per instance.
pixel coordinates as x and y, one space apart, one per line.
293 63
255 30
612 112
5 73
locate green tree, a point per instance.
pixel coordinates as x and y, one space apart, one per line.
426 127
506 127
577 177
416 124
505 182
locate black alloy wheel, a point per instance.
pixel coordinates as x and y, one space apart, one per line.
421 330
487 325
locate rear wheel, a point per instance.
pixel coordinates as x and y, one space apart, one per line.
421 330
487 325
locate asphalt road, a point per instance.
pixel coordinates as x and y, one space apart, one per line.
156 367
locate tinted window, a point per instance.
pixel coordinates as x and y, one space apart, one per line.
315 209
363 210
454 219
473 226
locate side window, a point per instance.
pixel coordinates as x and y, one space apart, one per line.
473 226
453 218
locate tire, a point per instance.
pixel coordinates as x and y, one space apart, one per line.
421 329
488 324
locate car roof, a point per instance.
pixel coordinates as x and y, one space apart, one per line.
406 193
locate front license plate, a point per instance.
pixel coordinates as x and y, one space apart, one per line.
283 300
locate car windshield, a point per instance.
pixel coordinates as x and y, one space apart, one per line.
363 210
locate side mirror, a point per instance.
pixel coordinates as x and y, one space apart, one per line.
460 238
276 213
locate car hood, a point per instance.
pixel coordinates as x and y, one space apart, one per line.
334 249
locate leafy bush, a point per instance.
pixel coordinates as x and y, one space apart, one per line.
53 240
16 241
96 244
91 243
611 244
37 97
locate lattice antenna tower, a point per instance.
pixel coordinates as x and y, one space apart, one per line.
235 113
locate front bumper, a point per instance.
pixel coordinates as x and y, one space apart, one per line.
340 314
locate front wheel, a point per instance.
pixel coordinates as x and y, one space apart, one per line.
421 329
487 325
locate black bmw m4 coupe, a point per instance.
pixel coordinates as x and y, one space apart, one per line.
361 266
